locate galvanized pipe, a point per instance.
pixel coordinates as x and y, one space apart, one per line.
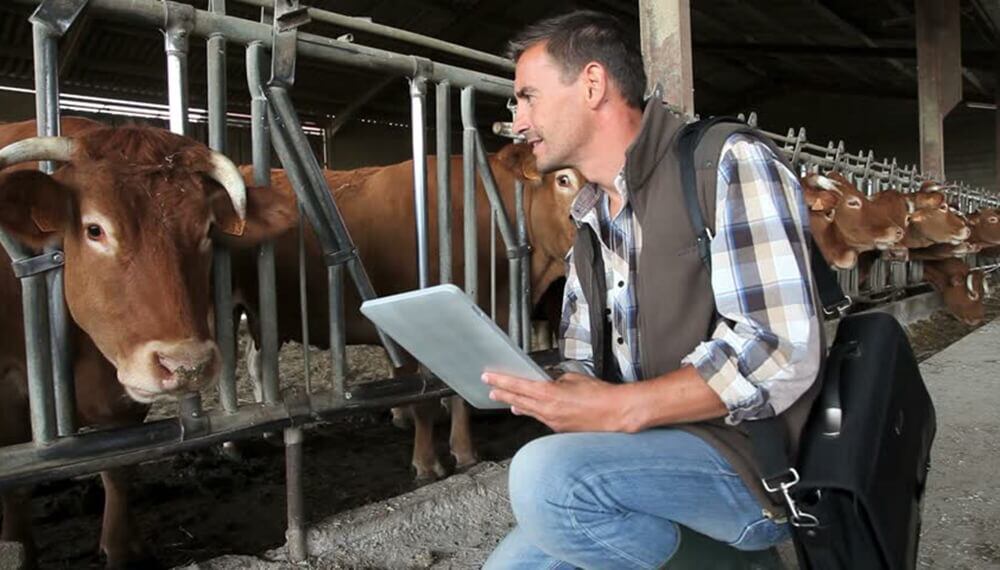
296 532
418 116
304 301
361 25
240 31
222 284
470 225
493 264
179 21
338 330
294 149
444 222
46 57
261 151
525 276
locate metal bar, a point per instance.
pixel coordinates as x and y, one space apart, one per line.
338 330
180 20
361 25
304 301
240 31
266 273
37 352
46 52
296 532
418 117
493 264
493 193
469 226
514 298
525 276
225 328
443 116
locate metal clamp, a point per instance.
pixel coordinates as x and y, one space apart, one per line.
178 22
57 15
194 422
519 252
340 257
840 308
799 518
39 264
288 16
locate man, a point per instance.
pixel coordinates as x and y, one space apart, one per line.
657 382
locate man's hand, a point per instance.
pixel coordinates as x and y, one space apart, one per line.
573 402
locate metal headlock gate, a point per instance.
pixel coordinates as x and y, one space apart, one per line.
58 450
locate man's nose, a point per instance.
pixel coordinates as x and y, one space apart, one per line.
520 124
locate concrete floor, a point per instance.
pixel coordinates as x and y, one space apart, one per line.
455 523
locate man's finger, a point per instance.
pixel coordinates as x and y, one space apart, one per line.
525 405
530 388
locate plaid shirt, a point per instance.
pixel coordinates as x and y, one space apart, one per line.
765 351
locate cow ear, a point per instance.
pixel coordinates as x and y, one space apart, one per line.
270 212
34 207
518 159
820 200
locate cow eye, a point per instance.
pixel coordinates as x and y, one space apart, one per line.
562 180
854 203
943 207
909 218
992 219
94 232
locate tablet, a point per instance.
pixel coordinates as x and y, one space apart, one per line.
442 328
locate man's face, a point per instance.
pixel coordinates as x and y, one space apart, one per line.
550 113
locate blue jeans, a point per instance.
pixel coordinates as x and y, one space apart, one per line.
614 500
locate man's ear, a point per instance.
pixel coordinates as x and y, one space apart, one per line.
518 159
271 211
34 207
595 81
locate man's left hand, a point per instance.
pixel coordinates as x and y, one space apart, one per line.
573 402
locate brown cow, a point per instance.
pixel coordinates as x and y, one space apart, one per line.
961 289
927 219
843 221
985 226
377 206
134 208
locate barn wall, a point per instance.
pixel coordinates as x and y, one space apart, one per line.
889 127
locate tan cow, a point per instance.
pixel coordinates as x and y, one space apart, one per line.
962 290
843 220
135 209
985 226
377 206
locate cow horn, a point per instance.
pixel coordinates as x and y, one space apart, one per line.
225 173
969 285
37 148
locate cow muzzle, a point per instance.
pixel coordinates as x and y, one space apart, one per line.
168 369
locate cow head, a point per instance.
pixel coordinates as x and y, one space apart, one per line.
844 220
136 209
550 230
985 226
961 290
936 224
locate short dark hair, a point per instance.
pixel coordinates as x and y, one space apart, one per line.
575 39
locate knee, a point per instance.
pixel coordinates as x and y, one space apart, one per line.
540 474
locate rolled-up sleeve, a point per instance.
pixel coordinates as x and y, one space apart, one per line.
765 350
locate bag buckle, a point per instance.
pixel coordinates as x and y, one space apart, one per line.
798 517
840 308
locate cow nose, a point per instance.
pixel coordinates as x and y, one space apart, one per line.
185 364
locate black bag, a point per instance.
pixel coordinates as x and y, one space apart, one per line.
854 495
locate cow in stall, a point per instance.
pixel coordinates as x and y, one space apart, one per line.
376 204
135 209
962 290
844 222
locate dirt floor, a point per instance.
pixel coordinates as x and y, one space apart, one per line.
201 505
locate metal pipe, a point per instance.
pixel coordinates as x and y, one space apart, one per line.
296 532
514 299
525 276
46 56
304 301
469 226
240 31
443 115
222 284
418 97
362 25
493 264
295 153
266 274
179 18
338 329
37 353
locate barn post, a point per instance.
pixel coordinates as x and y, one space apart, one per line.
665 36
939 77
